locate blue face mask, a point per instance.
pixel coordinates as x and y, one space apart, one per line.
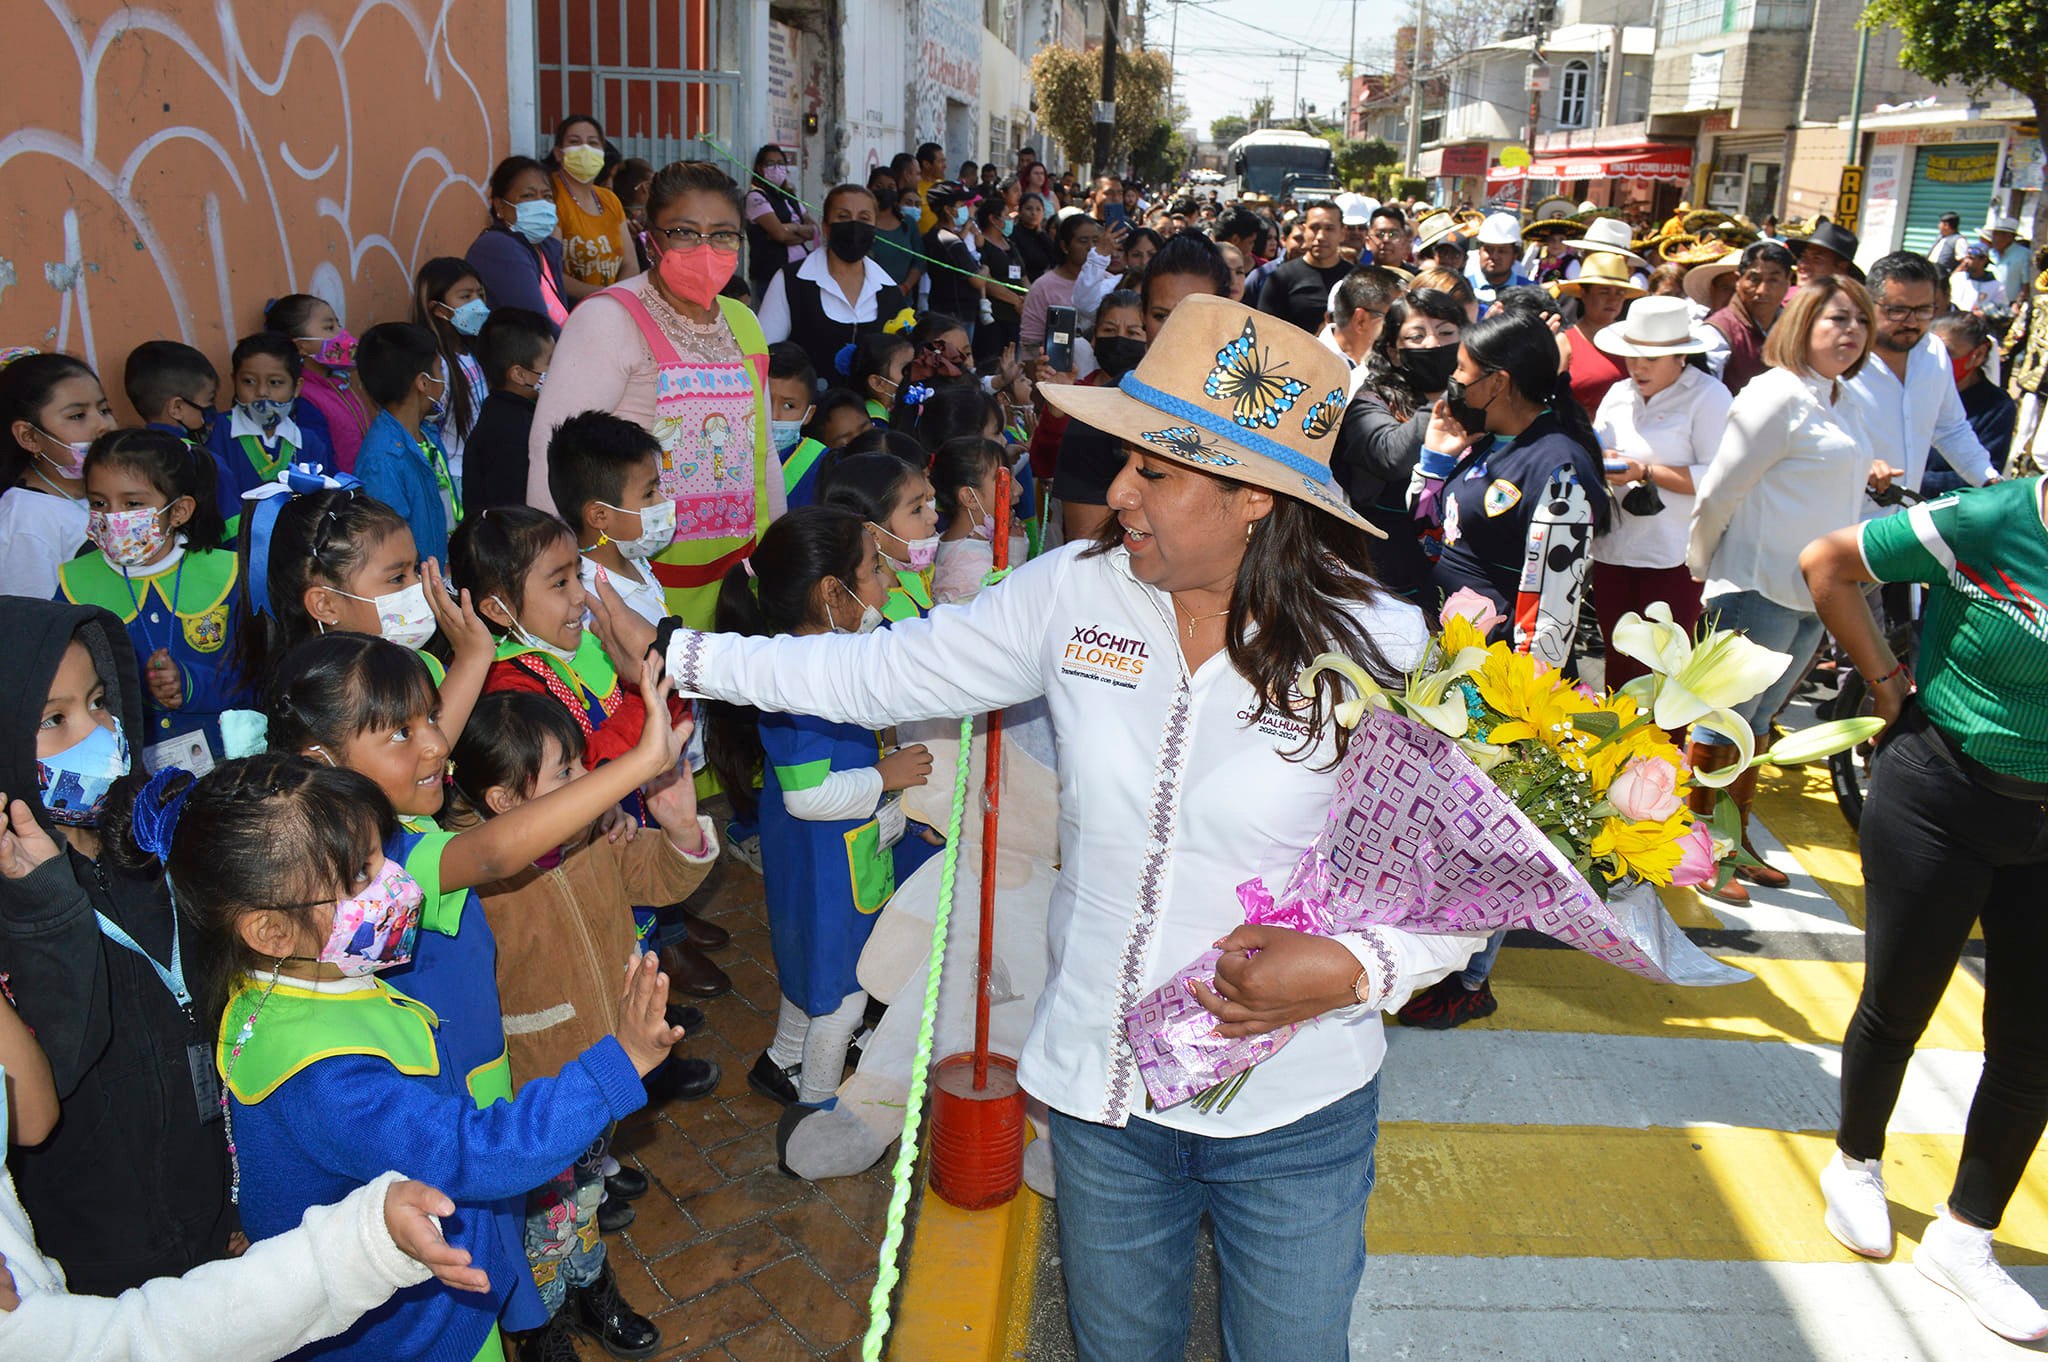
266 412
74 783
1009 226
961 215
469 318
534 220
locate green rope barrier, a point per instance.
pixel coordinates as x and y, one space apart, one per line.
887 1274
818 214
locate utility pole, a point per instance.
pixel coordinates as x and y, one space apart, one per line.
1105 109
1298 59
1351 69
1413 152
1172 52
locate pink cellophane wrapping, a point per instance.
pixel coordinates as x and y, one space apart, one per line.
1417 838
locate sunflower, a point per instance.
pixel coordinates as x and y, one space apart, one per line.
1459 634
1535 704
1649 851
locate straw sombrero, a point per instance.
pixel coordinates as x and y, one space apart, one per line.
1556 206
1699 279
1610 268
1234 393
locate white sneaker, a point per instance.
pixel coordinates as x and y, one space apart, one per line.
1959 1257
1858 1214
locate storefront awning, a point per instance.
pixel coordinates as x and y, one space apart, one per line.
1672 164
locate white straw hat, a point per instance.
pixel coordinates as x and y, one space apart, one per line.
1608 234
1653 326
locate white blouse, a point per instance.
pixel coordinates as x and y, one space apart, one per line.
1170 797
1680 427
1791 468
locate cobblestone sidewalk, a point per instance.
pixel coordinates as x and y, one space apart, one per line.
733 1260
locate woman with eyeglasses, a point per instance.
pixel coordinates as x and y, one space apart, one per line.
670 350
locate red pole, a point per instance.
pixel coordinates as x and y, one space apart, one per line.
990 795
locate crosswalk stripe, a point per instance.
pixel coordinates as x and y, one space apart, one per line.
1542 1078
1703 1193
1540 1309
1798 1000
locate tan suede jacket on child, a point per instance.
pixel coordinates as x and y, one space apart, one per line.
564 935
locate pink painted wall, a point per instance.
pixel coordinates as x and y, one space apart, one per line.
168 167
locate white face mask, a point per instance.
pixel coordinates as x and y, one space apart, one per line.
528 640
870 619
785 434
403 616
657 530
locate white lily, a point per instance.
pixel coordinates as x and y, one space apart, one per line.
1350 713
1693 680
1821 740
1426 698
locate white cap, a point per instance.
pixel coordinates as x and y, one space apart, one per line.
1589 207
1357 209
1500 229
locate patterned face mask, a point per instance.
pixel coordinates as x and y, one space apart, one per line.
374 930
74 783
129 538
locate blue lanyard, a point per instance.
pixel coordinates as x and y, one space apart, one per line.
176 578
174 977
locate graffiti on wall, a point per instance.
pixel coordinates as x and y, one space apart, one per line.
173 166
949 73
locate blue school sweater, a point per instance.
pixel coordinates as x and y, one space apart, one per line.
378 1093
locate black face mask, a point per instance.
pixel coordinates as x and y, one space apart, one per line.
1118 355
850 241
1429 369
1472 418
885 199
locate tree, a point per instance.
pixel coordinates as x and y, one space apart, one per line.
1359 162
1979 42
1068 83
1262 111
1228 129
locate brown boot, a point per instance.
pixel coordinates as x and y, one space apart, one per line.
1703 756
1744 790
692 974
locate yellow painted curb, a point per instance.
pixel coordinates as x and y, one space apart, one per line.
968 1283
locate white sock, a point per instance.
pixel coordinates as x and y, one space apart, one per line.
825 1049
792 1024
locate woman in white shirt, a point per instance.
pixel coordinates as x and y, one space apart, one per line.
1659 431
1792 467
1167 650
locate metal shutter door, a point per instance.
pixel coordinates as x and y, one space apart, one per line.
1948 179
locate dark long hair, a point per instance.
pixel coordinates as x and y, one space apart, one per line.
431 286
173 468
1383 372
274 831
1305 576
1520 345
320 538
331 688
26 386
796 553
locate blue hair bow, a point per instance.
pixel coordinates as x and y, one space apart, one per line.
916 395
843 360
270 498
157 809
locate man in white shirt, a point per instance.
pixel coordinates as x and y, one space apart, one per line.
1906 396
2010 260
1974 288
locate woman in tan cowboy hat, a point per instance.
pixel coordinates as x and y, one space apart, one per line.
1169 649
1604 286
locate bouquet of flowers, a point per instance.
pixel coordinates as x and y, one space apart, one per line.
1490 793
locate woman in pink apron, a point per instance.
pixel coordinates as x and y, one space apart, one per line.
667 350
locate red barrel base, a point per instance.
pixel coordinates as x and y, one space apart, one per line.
976 1138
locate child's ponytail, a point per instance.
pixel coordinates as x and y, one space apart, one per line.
318 536
775 592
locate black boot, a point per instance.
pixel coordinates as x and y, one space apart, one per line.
628 1184
553 1342
614 1215
599 1310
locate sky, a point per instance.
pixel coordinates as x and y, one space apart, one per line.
1230 52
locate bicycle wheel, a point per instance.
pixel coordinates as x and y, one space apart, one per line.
1849 771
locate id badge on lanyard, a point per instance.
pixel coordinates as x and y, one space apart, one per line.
198 1057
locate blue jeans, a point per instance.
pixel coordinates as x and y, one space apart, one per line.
1480 966
1288 1208
1768 625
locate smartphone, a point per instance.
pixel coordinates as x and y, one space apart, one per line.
1059 338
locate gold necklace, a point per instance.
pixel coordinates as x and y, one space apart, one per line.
1194 619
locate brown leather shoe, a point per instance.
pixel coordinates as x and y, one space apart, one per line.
705 935
692 974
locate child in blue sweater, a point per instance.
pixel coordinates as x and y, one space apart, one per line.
330 1073
402 461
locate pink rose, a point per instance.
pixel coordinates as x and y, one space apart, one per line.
1645 791
1474 607
1698 865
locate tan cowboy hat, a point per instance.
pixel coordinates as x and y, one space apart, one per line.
1699 279
1231 392
1604 267
1608 234
1654 326
1556 206
1437 225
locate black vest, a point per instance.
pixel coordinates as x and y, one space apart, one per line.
820 336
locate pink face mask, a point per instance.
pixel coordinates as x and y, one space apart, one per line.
375 929
697 273
337 351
